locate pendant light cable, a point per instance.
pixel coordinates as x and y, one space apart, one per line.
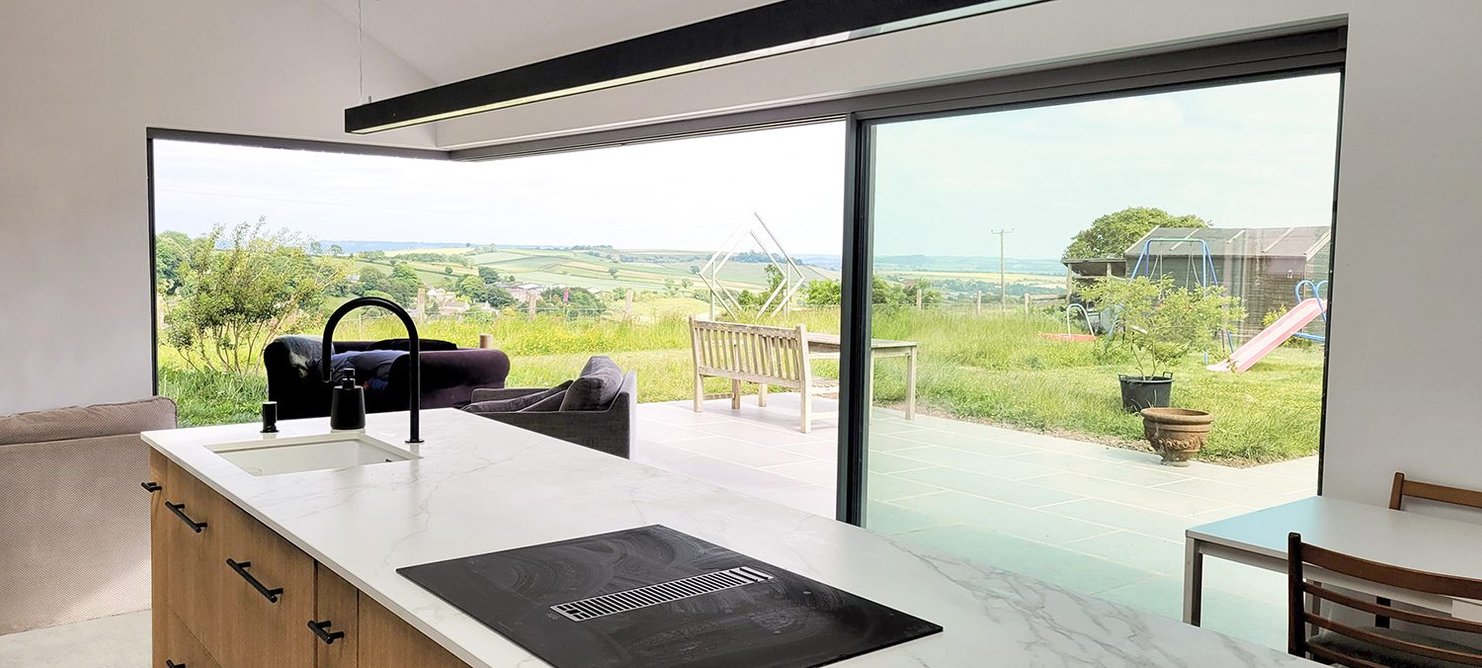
360 44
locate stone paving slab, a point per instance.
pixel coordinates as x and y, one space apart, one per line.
1098 519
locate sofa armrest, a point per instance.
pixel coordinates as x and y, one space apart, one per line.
497 393
604 431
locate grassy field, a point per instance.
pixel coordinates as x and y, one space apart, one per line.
645 270
994 369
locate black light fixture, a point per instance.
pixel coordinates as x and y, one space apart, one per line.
779 27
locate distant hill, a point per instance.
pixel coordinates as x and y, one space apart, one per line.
947 263
367 246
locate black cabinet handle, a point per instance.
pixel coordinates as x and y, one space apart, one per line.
321 629
172 664
151 486
241 568
179 510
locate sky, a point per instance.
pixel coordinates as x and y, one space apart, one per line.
1247 155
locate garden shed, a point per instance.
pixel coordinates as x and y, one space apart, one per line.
1260 265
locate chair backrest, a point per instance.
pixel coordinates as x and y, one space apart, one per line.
1431 492
754 353
1300 554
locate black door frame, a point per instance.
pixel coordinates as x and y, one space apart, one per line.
857 267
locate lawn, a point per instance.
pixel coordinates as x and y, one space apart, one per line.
990 368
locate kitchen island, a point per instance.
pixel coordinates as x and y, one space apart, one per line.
480 486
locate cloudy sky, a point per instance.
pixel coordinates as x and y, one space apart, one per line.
1251 155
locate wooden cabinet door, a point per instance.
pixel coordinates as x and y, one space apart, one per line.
267 600
336 609
193 525
158 555
177 647
388 642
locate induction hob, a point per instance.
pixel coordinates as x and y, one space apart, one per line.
653 597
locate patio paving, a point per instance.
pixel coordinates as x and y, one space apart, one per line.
1096 519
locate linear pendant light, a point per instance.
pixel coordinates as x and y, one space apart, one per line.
779 27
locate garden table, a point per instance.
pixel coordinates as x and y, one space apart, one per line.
828 346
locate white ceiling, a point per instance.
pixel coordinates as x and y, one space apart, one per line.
451 40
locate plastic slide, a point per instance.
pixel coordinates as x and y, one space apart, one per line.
1271 337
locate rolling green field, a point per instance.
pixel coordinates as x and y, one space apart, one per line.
990 368
643 270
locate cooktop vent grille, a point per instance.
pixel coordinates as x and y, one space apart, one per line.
659 594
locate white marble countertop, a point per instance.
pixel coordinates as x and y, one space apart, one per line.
482 486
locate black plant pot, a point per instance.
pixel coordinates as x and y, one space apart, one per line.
1139 392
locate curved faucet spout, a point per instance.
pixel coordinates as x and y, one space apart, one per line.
414 368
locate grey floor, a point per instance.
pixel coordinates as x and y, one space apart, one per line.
121 641
1099 520
1095 519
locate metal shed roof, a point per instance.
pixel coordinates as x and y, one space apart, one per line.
1297 242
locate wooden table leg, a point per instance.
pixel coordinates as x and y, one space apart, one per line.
1193 581
761 395
911 384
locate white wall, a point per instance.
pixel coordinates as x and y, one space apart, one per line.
1405 385
80 80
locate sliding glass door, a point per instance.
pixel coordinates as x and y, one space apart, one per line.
1027 265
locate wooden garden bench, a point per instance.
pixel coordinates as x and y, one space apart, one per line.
754 354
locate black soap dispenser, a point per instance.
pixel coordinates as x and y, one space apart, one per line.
347 405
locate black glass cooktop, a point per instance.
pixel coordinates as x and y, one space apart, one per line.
653 597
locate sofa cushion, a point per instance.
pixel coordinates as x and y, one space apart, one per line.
518 403
600 381
549 404
77 422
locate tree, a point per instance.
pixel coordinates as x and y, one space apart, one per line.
405 284
239 289
1110 235
575 302
170 249
613 272
335 250
774 277
823 292
373 280
472 289
1160 322
498 297
488 275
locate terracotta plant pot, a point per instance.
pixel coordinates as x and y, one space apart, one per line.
1176 433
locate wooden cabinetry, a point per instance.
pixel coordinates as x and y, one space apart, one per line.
231 593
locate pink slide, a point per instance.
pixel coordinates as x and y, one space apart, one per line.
1262 344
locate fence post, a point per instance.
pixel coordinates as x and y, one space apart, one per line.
628 305
919 294
978 307
486 341
531 307
1026 303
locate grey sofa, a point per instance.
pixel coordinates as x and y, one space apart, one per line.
596 410
74 522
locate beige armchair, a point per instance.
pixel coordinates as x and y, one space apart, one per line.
74 522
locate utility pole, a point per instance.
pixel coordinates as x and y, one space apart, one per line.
1003 295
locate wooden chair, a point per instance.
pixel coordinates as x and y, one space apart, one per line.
1431 492
1374 647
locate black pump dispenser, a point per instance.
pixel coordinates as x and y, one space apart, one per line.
347 405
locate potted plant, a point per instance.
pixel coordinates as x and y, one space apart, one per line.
1176 433
1159 323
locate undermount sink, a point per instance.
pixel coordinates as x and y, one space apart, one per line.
272 456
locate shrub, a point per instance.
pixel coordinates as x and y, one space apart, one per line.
1160 323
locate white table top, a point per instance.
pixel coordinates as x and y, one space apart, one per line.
483 486
1402 538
